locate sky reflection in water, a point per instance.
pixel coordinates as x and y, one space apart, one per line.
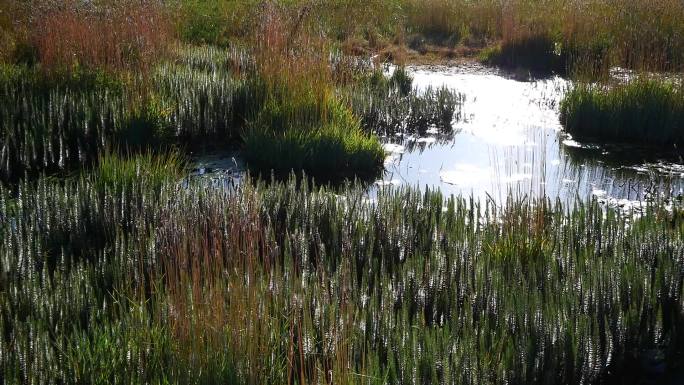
510 140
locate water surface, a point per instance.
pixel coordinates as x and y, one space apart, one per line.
507 139
510 140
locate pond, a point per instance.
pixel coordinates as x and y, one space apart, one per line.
507 140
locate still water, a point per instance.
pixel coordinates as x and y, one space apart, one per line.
509 139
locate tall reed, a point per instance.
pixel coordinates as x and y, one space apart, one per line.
645 111
299 123
391 105
52 127
289 283
125 35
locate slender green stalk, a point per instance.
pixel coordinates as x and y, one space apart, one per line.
287 282
644 111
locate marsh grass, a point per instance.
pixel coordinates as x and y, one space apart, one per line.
593 34
9 32
537 53
328 153
325 141
438 21
282 77
214 22
644 111
118 171
202 96
48 126
124 35
58 123
391 105
289 283
294 119
125 274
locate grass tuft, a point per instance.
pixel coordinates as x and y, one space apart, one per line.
643 111
327 144
153 169
537 53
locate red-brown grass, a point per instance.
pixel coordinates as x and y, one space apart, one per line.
10 30
287 53
125 35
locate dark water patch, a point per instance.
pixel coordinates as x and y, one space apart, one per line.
219 168
506 138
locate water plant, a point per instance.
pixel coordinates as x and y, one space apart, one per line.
290 283
201 104
644 111
303 131
538 53
334 151
391 105
48 126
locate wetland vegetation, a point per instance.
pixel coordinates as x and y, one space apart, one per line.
119 266
113 279
646 111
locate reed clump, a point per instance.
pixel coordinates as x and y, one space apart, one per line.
538 53
644 111
587 38
438 21
295 120
329 150
391 105
57 123
52 126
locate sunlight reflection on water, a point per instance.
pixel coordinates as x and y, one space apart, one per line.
510 140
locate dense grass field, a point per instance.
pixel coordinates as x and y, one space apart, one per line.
58 123
116 278
588 36
116 267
